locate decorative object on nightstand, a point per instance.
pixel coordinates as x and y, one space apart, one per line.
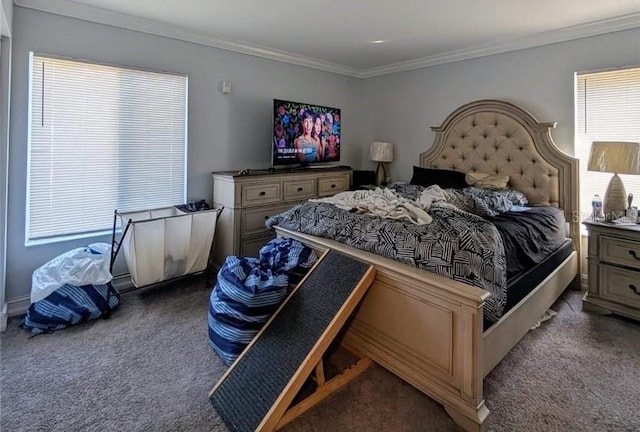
617 158
614 269
381 152
596 208
632 212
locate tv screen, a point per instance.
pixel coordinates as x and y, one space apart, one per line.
304 133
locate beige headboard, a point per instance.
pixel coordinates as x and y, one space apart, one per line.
498 137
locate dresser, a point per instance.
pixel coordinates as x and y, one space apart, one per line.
614 269
250 198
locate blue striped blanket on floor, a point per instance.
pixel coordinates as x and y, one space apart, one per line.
69 305
248 291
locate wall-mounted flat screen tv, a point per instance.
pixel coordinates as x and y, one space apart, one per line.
304 133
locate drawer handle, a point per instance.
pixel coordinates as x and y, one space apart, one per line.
333 186
634 288
633 254
263 193
300 189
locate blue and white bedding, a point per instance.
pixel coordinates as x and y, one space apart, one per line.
69 305
459 243
477 236
248 291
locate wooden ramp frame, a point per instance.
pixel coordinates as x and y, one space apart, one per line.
280 411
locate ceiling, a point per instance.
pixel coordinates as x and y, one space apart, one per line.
360 37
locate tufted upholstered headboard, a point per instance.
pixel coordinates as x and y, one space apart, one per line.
498 137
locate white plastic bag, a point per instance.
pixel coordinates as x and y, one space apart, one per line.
87 265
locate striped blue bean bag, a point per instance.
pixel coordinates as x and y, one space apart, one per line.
248 291
69 305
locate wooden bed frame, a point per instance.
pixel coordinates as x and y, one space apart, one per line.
427 329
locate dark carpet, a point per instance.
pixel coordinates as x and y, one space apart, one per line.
149 368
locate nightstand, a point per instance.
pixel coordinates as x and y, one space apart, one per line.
614 269
363 187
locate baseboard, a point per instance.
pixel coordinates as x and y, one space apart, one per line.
18 306
584 282
123 283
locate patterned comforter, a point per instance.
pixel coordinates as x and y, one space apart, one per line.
459 244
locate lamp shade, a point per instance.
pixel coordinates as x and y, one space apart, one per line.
615 157
381 152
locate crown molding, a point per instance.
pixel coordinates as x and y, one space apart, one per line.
595 28
117 19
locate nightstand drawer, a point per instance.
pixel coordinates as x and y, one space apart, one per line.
617 251
262 193
332 185
299 189
620 285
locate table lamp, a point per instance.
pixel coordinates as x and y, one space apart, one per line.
617 158
381 152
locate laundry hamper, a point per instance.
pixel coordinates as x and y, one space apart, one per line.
165 243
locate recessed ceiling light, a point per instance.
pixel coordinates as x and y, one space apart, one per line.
379 41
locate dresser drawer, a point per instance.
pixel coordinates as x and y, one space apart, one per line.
262 193
618 251
299 189
252 220
332 185
620 285
251 247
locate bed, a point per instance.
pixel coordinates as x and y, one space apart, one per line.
429 330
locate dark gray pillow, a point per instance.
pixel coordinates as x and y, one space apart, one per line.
446 179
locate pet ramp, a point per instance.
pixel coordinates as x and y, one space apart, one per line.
256 392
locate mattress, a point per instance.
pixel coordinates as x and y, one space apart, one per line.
520 285
535 243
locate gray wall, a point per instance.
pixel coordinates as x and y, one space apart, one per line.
401 108
229 131
232 131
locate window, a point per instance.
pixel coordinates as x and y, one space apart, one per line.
607 109
101 138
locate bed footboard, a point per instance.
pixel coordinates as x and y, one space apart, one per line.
432 342
422 327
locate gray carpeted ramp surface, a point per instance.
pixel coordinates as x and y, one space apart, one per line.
260 375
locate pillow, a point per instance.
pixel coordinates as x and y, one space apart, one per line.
498 201
485 180
444 178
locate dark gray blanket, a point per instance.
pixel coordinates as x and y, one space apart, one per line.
530 236
458 244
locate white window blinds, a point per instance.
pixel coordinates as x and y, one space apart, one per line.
101 138
607 109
